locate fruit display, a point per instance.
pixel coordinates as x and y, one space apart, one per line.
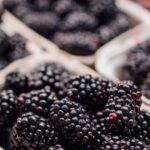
53 108
137 66
79 27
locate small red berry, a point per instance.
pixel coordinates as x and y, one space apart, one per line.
112 116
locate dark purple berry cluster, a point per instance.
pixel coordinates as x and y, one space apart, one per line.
11 48
89 114
137 66
77 26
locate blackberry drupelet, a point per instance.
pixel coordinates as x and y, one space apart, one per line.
32 132
37 101
77 43
113 27
79 20
7 108
50 74
117 142
90 92
104 9
142 130
56 147
74 123
17 81
43 23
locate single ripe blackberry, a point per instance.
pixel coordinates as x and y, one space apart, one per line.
17 41
142 130
104 9
37 101
90 92
146 87
11 4
63 7
74 124
56 147
117 142
17 81
137 66
43 23
112 28
50 74
120 114
3 43
7 108
79 20
32 132
77 43
128 88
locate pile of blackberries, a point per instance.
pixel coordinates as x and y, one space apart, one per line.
52 108
77 26
11 48
137 66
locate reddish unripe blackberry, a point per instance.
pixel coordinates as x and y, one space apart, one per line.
32 132
142 130
117 142
79 20
77 43
56 147
89 91
50 74
113 28
17 81
74 123
43 23
7 108
37 101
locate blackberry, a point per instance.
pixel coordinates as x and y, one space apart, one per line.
142 130
63 7
11 4
50 74
115 142
77 43
37 101
7 108
3 43
146 87
17 41
17 81
43 23
79 20
113 28
74 123
90 91
3 63
56 147
120 116
103 9
32 132
127 88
